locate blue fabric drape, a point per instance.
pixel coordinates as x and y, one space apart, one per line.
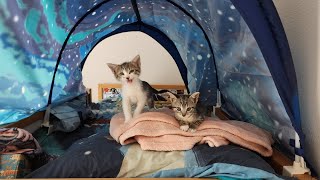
265 24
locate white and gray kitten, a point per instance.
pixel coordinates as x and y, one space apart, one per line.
134 91
186 110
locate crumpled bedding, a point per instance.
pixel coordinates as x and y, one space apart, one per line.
100 156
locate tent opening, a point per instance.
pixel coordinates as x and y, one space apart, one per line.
123 47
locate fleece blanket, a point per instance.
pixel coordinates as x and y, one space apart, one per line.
159 131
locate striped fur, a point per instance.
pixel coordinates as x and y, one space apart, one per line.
186 110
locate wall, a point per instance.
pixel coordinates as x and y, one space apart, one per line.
157 65
301 21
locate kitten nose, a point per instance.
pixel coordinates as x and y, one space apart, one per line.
127 78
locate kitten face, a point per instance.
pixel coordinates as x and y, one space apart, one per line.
184 106
127 72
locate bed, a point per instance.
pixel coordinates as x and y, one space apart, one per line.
83 151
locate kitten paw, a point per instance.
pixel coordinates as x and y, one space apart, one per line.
192 130
135 115
184 127
127 120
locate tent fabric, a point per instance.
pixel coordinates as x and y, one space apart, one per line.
236 47
274 46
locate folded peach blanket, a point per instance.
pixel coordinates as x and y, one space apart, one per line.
159 131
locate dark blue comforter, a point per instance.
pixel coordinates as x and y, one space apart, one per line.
100 156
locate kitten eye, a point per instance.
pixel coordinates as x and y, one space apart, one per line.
178 109
189 108
131 71
121 74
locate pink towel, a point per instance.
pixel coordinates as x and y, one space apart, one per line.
159 131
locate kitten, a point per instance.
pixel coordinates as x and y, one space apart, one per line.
134 91
186 110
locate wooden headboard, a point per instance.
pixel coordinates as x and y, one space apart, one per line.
102 87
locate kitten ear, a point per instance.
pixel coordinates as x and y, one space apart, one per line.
194 97
136 61
113 67
169 96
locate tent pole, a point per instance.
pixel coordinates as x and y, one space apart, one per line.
46 122
218 104
136 10
299 165
46 119
205 35
66 42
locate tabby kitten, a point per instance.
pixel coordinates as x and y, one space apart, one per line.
134 91
186 110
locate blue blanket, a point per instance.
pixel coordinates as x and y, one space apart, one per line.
100 156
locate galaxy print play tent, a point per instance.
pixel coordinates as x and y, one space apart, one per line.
236 49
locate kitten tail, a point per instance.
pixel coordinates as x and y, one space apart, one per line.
169 96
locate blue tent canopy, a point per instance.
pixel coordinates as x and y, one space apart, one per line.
234 47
